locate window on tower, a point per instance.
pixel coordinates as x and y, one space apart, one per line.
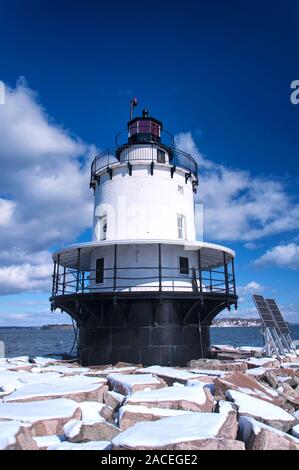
184 265
160 156
103 227
181 221
99 270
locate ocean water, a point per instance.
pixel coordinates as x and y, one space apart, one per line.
54 343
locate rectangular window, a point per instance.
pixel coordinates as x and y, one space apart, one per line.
99 270
103 227
184 265
160 156
181 227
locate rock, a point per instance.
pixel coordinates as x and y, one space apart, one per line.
271 379
170 375
230 426
78 388
295 431
113 399
210 364
43 442
132 414
45 417
291 395
259 436
193 431
261 410
128 384
262 362
247 384
15 435
112 370
197 398
91 410
95 445
81 431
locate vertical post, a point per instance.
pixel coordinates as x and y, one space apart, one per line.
233 272
63 283
83 281
211 285
199 271
54 280
57 274
78 269
160 268
115 268
225 274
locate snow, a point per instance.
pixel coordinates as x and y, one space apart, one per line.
91 411
167 431
43 361
295 431
116 370
260 361
8 432
194 394
92 445
128 380
258 408
225 407
216 373
250 348
46 441
63 369
18 359
170 372
247 424
165 412
61 386
257 371
38 410
72 428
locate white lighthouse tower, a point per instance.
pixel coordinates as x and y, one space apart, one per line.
144 289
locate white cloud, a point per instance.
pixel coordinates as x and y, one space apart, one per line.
45 197
238 206
282 256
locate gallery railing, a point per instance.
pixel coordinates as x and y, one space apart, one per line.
131 279
110 157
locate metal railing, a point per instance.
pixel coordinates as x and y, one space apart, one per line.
110 157
154 278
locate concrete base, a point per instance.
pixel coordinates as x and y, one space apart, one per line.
143 328
148 334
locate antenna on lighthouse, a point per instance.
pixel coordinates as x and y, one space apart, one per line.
133 104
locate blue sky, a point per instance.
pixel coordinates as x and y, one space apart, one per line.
217 73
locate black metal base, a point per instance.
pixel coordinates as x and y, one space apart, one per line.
168 330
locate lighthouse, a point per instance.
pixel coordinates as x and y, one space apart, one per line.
144 289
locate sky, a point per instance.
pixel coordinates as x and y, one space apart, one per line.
217 73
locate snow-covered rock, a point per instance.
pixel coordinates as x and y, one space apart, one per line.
295 431
90 430
45 417
132 414
95 445
197 398
127 384
262 362
189 432
15 435
170 374
43 442
246 384
261 410
113 399
291 395
259 436
91 410
78 388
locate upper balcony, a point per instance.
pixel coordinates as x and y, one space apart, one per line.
144 152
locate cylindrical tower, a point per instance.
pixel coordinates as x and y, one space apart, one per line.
144 290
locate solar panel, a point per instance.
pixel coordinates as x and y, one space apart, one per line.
282 325
264 311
